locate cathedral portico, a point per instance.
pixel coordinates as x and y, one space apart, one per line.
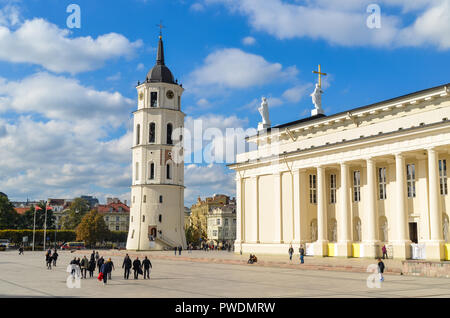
383 181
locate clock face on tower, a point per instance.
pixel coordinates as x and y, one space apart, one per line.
169 94
141 96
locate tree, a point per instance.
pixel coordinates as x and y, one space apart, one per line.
8 215
77 210
193 235
92 228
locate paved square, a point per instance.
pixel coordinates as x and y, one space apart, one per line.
27 276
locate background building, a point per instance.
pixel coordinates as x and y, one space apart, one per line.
200 210
116 214
222 224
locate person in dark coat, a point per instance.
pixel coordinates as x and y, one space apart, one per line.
106 268
49 259
100 263
175 250
127 266
147 265
179 249
112 269
91 267
93 255
21 250
73 262
381 269
54 257
137 267
84 266
291 252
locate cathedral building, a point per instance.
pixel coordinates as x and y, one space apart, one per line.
157 191
347 184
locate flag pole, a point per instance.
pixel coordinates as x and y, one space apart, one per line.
45 224
34 226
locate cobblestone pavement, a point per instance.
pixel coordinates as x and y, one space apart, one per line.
194 276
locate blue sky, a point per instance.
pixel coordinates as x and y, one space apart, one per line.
66 95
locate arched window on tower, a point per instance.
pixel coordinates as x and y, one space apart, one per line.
138 134
169 171
169 134
152 133
137 171
152 171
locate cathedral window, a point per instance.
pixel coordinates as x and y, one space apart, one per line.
332 188
443 176
411 180
153 99
152 133
152 171
356 186
169 134
312 189
138 134
382 183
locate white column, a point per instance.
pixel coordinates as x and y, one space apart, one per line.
370 241
296 196
255 211
277 208
435 248
344 229
239 228
402 242
321 248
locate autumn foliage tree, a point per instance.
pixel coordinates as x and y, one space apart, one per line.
92 229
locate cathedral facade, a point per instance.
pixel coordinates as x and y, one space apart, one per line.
347 184
157 191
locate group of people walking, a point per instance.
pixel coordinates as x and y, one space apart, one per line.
49 258
139 267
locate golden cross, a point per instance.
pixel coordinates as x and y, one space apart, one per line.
160 26
320 76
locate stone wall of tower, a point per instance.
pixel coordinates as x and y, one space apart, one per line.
157 198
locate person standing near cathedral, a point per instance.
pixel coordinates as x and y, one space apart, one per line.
147 265
301 250
127 266
291 252
384 250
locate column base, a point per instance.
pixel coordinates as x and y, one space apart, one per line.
344 249
370 249
434 250
402 250
321 248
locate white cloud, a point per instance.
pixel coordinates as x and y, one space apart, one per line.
140 67
296 93
10 15
234 68
114 77
248 40
58 97
207 181
197 7
42 43
344 22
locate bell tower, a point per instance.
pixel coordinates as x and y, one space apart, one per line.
157 190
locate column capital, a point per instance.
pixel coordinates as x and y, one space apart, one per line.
343 163
431 149
399 155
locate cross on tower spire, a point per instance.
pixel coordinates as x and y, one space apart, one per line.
160 26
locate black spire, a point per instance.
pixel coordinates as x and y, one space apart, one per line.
160 55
